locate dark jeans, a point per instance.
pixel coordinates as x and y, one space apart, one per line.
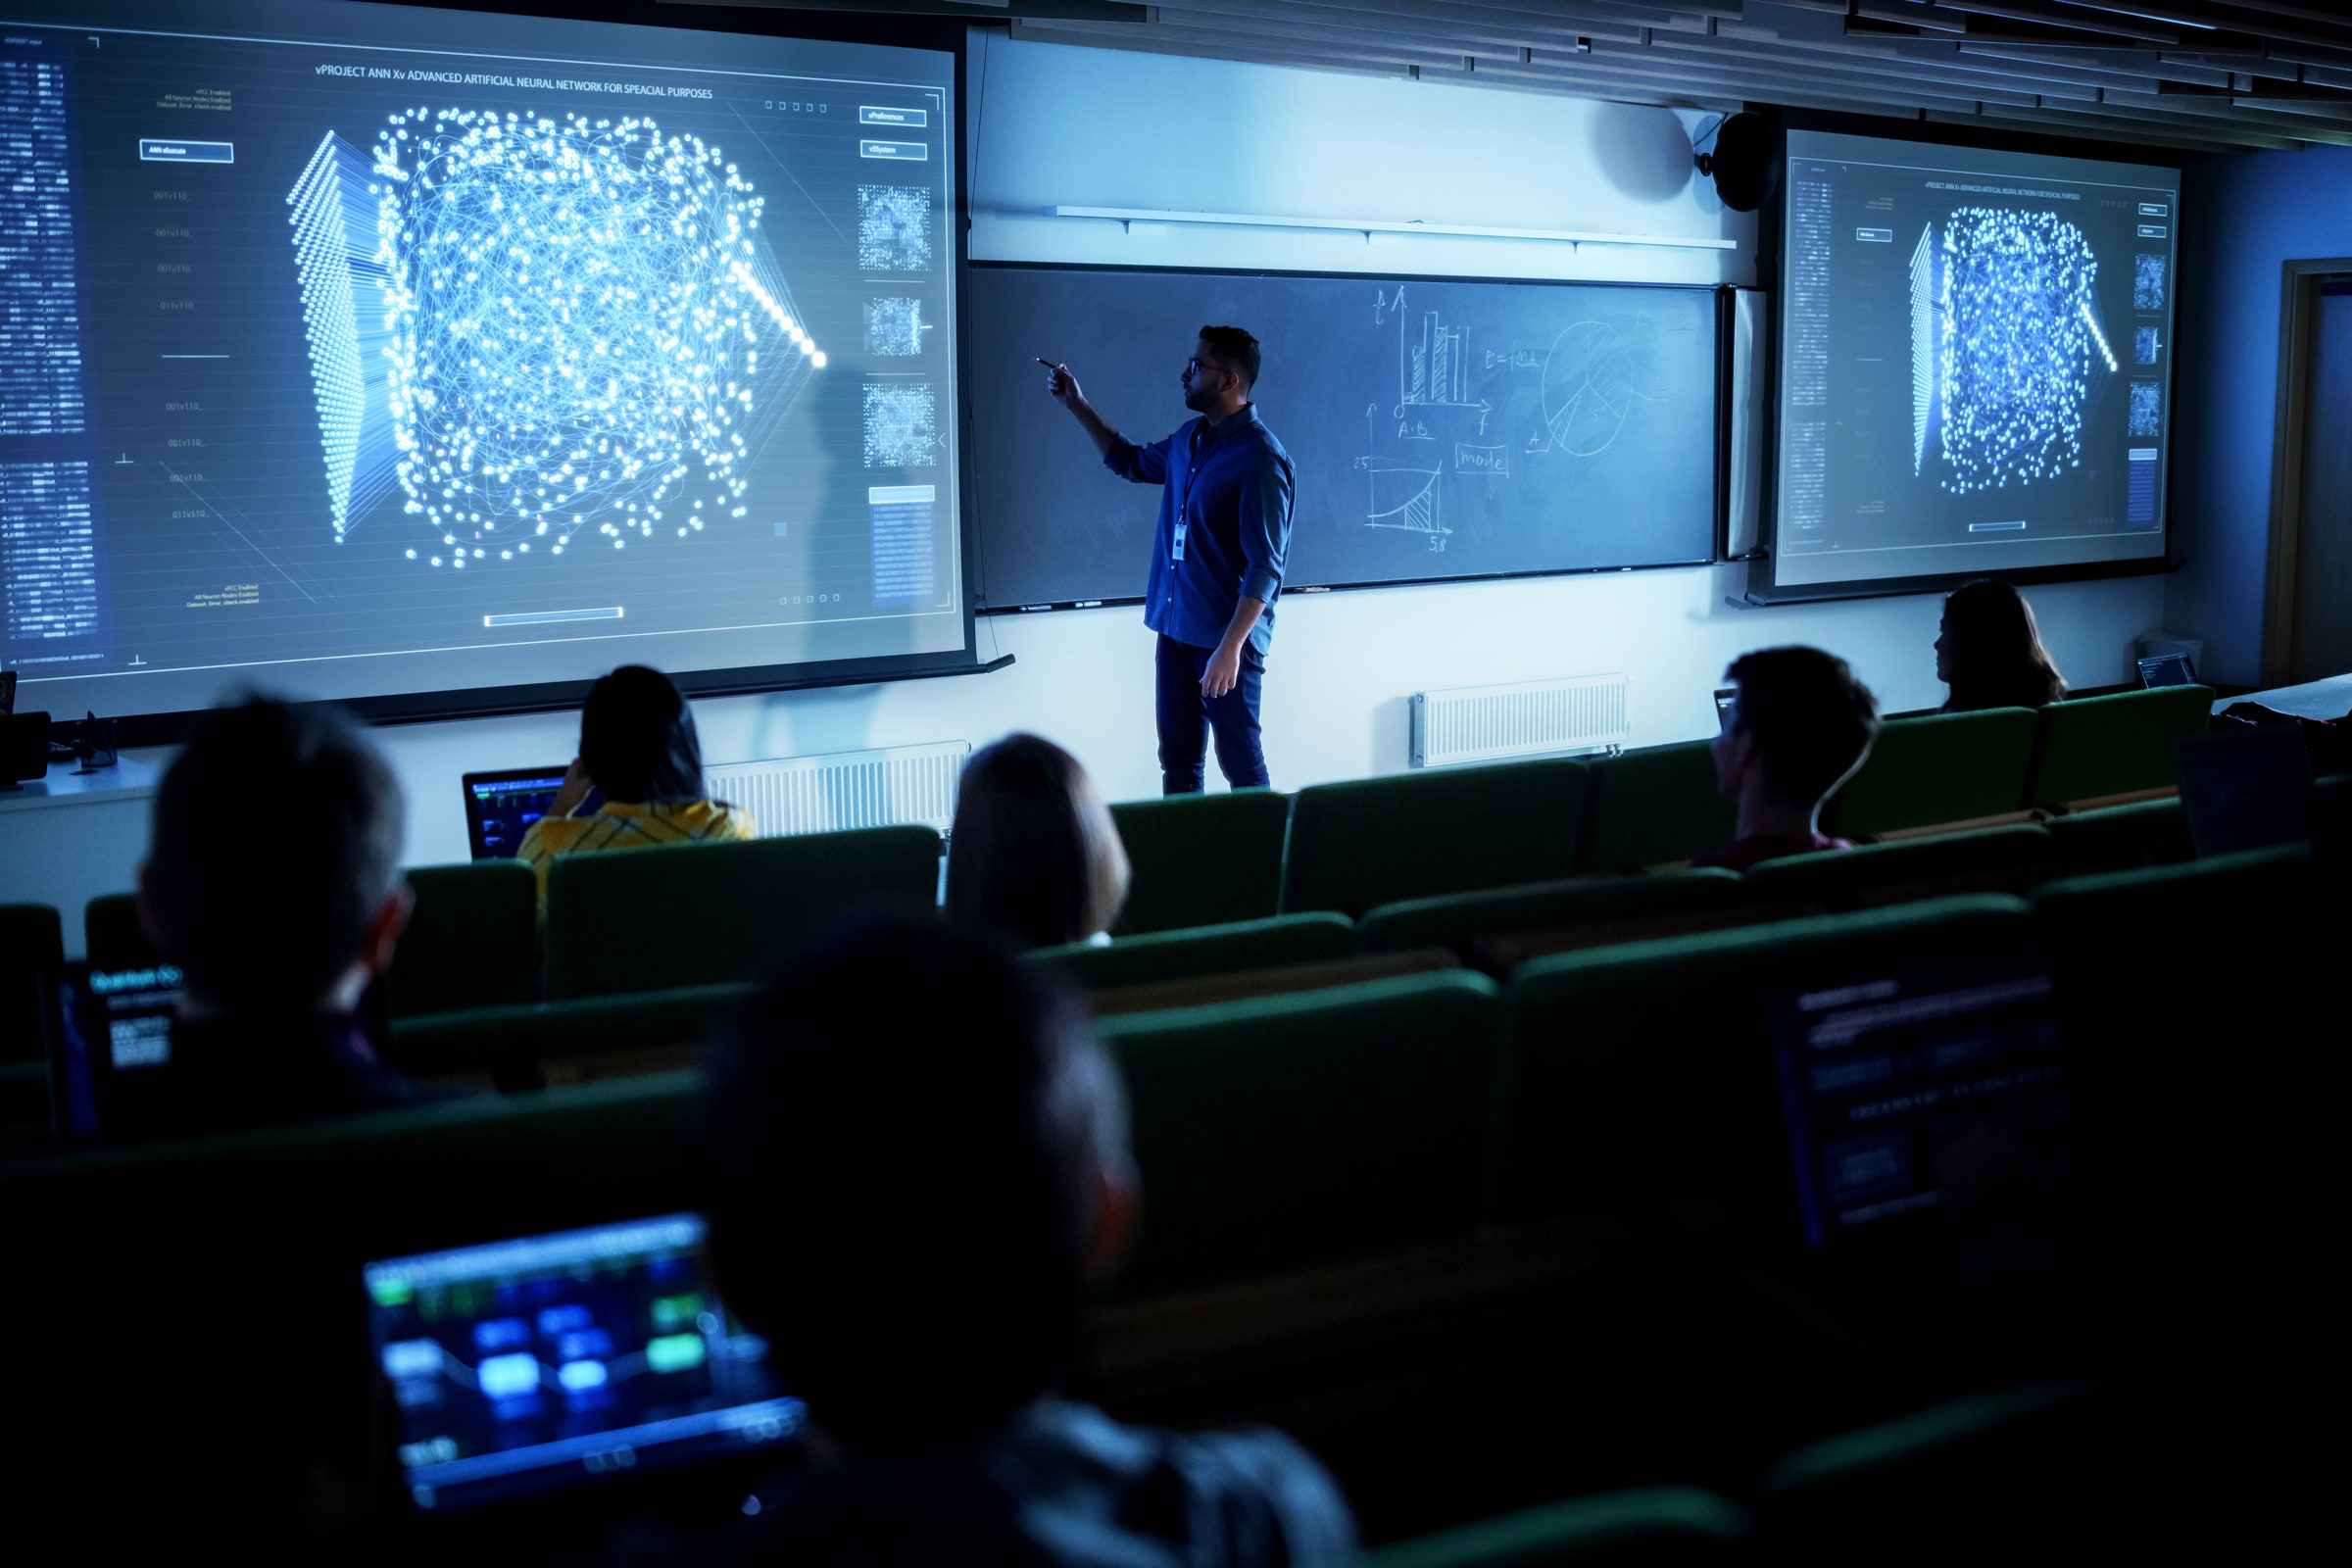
1186 719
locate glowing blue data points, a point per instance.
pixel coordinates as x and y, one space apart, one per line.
2017 336
2098 338
555 325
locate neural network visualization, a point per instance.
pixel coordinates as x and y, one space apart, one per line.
2006 305
559 332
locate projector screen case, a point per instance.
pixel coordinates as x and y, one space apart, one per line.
1973 367
320 363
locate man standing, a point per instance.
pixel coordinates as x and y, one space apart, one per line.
1217 565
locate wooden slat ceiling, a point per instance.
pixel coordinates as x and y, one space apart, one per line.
2196 74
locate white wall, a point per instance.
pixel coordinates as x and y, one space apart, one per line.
1086 127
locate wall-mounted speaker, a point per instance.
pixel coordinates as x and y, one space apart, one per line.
1742 160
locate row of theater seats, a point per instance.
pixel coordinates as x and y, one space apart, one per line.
519 1043
1297 1129
1419 1115
725 912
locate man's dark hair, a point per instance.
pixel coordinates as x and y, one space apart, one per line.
1235 349
637 738
1812 721
904 1137
276 840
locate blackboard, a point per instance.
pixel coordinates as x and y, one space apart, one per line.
1440 430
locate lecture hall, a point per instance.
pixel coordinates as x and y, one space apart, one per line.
1066 783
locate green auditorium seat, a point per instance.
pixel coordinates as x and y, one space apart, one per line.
508 1043
111 936
701 913
2032 1471
1135 961
2125 838
1645 1525
32 947
1457 919
1938 767
2091 747
1656 803
1201 859
1999 859
1645 1072
1367 841
1281 1132
204 1233
473 940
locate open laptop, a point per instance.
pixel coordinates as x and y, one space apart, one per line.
116 1069
568 1359
2167 669
2245 787
1928 1088
110 1049
500 806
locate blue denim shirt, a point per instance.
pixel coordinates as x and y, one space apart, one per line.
1229 502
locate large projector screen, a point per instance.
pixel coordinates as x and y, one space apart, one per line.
363 351
1975 365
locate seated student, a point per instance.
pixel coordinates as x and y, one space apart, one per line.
916 1167
1989 651
638 747
273 883
1798 727
1033 854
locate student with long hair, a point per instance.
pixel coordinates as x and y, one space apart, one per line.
1990 651
1034 856
639 749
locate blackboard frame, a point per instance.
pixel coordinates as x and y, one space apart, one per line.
1721 425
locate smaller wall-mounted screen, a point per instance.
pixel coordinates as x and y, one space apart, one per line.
1975 371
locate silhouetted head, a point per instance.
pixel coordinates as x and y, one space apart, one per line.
1033 854
274 868
637 739
1990 651
1221 371
916 1164
1801 718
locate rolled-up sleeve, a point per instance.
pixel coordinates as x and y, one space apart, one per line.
1266 492
1141 464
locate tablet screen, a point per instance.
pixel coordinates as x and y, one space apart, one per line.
558 1360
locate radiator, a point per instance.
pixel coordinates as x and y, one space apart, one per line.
838 790
1485 723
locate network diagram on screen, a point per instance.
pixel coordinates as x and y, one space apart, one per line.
1974 361
353 360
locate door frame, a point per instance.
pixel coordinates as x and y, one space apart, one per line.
2298 299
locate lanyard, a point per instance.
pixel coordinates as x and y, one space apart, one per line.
1191 475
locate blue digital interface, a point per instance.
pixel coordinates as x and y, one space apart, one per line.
1937 1087
1974 361
366 351
500 807
549 1361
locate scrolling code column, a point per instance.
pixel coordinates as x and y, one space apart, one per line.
48 549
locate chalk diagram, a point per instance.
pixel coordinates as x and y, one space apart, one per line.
1571 397
546 332
1588 389
2005 337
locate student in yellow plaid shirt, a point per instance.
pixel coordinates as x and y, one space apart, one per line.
637 746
